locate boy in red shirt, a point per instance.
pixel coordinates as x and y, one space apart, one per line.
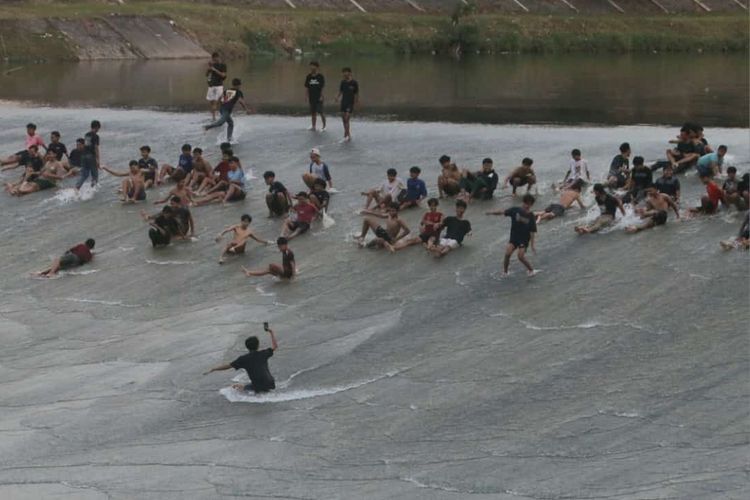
710 202
305 214
429 227
76 256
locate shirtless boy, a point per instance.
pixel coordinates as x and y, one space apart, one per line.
655 213
522 176
570 195
395 229
133 188
240 234
449 178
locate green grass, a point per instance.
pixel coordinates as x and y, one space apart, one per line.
240 32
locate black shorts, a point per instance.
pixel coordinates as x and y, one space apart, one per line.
519 243
302 226
383 234
158 238
238 196
659 218
68 260
425 237
251 388
149 175
621 179
316 106
556 209
347 107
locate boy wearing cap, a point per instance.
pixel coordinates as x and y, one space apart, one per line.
316 170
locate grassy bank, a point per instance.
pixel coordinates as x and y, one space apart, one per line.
242 32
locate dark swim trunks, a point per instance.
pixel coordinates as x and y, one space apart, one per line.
238 196
556 209
44 183
660 218
425 237
383 234
68 260
158 238
249 388
316 107
302 226
519 243
141 194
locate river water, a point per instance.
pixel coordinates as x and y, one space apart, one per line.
570 89
620 371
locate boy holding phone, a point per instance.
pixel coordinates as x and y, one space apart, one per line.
255 363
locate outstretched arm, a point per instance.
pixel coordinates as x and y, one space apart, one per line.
262 242
219 368
673 205
274 344
225 231
112 172
499 211
579 200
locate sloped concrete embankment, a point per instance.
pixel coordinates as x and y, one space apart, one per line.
112 37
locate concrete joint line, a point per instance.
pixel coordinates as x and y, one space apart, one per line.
518 2
570 5
616 7
354 2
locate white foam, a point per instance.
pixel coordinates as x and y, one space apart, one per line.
170 262
116 303
264 293
70 195
81 273
236 396
581 326
429 486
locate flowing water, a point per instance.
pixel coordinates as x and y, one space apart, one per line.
620 371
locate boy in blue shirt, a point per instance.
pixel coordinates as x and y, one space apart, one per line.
416 190
184 166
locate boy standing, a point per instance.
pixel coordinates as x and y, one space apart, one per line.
522 233
215 75
314 84
349 97
90 159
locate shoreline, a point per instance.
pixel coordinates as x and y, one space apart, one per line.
87 30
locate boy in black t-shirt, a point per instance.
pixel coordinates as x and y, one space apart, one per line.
255 363
349 97
522 233
229 98
278 199
56 146
456 229
285 271
90 159
215 75
314 84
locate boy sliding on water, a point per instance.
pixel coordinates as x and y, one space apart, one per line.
429 227
655 213
395 229
285 271
456 229
522 233
304 213
242 233
133 188
255 363
76 256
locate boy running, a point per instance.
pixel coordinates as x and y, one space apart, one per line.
522 233
229 98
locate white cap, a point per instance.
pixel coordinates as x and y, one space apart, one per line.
315 151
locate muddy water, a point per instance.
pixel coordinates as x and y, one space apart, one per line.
604 89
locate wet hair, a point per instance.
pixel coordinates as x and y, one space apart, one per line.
246 217
394 206
315 63
236 82
433 201
215 54
319 182
234 159
577 185
732 170
80 140
90 242
461 203
31 125
415 170
268 174
302 194
96 124
686 127
187 147
167 210
33 147
575 152
225 145
55 133
346 69
133 163
668 166
281 241
227 152
528 199
527 161
392 172
444 159
638 160
486 161
252 343
722 147
146 148
598 188
175 199
197 150
625 146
